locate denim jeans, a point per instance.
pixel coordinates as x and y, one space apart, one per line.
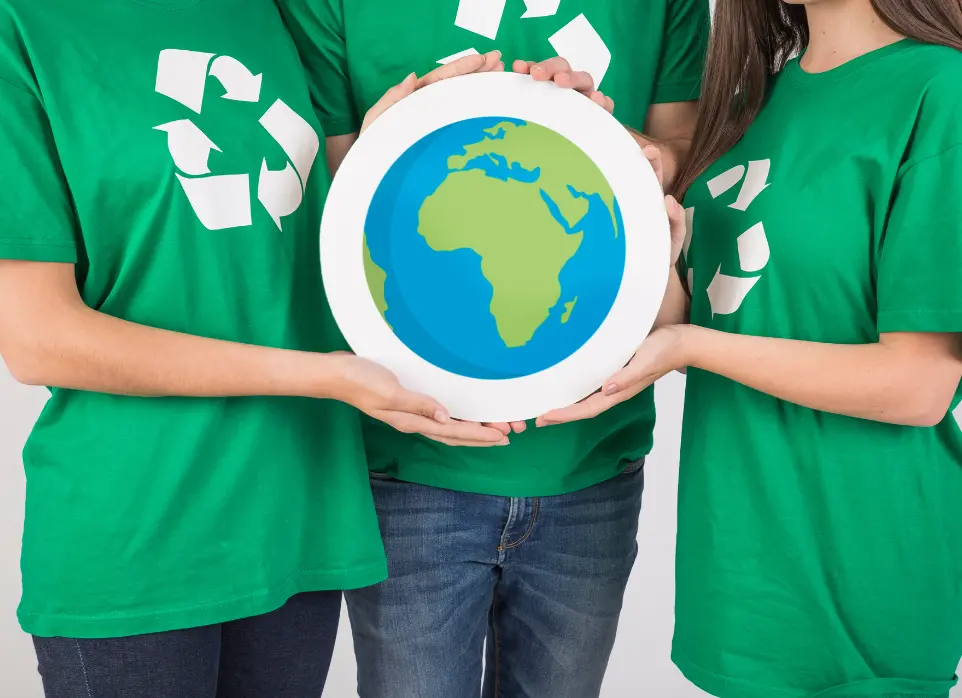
284 654
532 586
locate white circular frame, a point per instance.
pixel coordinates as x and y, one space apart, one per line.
571 115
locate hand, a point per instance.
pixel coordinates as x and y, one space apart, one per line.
676 213
662 352
559 71
478 63
507 427
678 226
376 392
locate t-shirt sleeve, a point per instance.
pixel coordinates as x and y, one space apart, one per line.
919 284
683 51
317 27
37 222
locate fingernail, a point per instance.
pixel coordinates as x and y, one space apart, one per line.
611 389
442 417
504 443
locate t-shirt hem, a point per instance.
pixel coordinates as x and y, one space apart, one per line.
727 687
245 606
920 321
339 126
723 686
30 250
687 91
499 486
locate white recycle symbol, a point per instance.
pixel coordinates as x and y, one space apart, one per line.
223 201
577 41
726 293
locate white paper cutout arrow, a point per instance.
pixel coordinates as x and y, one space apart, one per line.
182 75
456 56
480 16
726 293
583 48
189 146
240 83
540 8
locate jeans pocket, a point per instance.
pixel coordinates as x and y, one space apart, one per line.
634 467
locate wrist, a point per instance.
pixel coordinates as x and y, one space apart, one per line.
308 374
689 344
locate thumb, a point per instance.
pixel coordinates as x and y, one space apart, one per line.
678 225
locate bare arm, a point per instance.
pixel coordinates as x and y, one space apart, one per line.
49 336
904 378
337 147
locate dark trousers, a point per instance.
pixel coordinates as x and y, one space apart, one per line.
283 654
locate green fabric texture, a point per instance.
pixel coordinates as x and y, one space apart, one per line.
819 555
146 515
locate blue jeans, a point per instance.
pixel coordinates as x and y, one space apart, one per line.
284 654
535 586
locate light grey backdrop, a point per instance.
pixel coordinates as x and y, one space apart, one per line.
640 667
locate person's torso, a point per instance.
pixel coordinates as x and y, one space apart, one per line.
622 45
195 167
815 550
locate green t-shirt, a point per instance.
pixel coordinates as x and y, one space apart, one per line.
821 555
355 51
137 142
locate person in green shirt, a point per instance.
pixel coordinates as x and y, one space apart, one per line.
819 536
197 492
530 545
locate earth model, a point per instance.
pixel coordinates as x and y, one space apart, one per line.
494 248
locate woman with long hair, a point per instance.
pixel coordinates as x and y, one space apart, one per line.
819 537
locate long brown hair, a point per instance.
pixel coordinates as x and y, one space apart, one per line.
751 40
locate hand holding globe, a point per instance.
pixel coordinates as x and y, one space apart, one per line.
474 243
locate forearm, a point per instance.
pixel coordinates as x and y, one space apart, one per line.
82 349
675 306
869 381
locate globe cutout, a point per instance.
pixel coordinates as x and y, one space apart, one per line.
528 281
475 243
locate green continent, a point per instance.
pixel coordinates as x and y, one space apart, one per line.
561 163
376 277
569 306
522 248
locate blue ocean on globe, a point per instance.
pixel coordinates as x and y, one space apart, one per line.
494 248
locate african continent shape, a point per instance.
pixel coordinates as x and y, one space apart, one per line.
494 248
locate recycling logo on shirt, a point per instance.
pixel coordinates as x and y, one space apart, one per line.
726 291
224 200
578 41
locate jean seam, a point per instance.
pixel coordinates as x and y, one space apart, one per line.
83 668
497 646
527 534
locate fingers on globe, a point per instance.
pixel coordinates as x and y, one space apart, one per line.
653 154
475 63
603 101
547 70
